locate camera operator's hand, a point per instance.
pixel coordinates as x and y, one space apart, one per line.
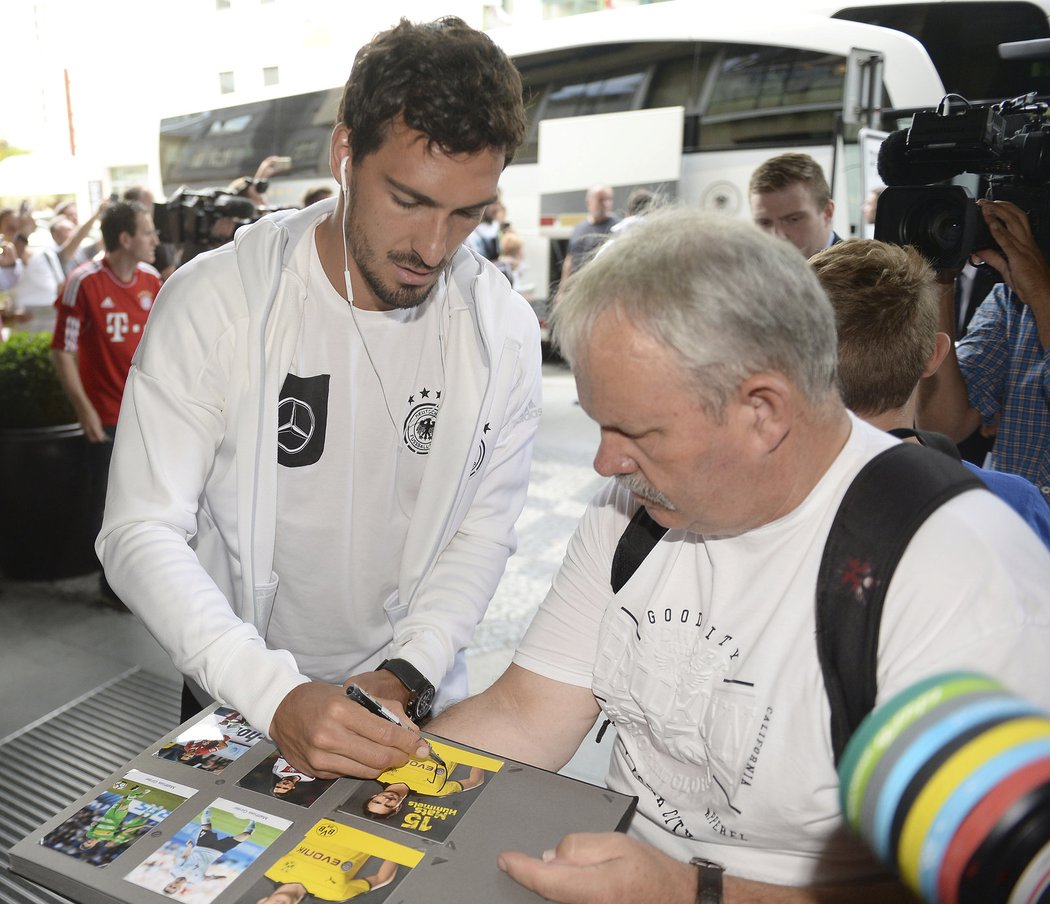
1021 263
223 228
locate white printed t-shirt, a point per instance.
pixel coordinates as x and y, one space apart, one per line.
706 663
342 518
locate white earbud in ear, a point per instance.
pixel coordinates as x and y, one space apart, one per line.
342 174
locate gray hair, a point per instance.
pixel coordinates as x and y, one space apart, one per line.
58 223
727 298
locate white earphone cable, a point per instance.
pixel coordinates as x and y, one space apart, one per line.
350 297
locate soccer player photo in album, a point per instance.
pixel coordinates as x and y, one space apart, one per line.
426 798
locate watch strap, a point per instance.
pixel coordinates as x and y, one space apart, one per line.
708 881
421 690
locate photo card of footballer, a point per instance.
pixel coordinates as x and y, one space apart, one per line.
202 859
335 862
276 777
426 798
212 742
103 829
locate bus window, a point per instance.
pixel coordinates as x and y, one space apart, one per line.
231 125
605 94
205 148
677 82
608 78
962 39
734 95
767 96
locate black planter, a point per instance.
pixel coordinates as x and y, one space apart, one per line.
46 528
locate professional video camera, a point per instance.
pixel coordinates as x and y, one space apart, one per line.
1006 143
189 217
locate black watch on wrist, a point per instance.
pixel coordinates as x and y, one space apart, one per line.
422 691
708 880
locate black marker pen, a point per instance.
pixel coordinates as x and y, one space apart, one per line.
362 697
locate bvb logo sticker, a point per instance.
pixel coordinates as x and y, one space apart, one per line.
420 423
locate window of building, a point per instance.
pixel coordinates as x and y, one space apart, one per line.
226 83
271 76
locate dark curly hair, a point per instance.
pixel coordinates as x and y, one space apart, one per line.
446 79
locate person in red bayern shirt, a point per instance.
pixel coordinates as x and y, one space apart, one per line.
102 310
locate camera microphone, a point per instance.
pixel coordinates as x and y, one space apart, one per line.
895 168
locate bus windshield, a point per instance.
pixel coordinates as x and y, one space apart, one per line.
963 41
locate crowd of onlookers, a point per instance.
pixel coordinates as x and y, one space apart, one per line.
40 247
39 250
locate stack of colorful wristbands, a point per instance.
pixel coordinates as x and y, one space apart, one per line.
949 783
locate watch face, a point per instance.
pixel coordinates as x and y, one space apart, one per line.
423 703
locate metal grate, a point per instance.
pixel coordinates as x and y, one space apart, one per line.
57 759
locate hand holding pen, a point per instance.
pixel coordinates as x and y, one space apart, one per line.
369 702
320 731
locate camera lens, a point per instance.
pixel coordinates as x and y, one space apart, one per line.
942 221
933 226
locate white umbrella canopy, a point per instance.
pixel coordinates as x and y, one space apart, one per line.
36 174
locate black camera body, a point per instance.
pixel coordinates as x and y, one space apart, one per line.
189 216
1007 144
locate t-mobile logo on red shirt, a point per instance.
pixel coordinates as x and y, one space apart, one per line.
117 325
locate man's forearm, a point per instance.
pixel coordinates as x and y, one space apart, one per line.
586 868
524 717
65 364
72 244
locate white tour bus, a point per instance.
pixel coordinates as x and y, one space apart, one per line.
672 97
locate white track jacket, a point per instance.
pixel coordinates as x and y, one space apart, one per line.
188 536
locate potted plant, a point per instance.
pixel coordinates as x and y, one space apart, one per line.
45 531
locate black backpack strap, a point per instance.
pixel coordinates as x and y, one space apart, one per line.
889 499
937 441
636 542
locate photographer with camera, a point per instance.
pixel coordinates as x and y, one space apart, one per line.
193 221
998 373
